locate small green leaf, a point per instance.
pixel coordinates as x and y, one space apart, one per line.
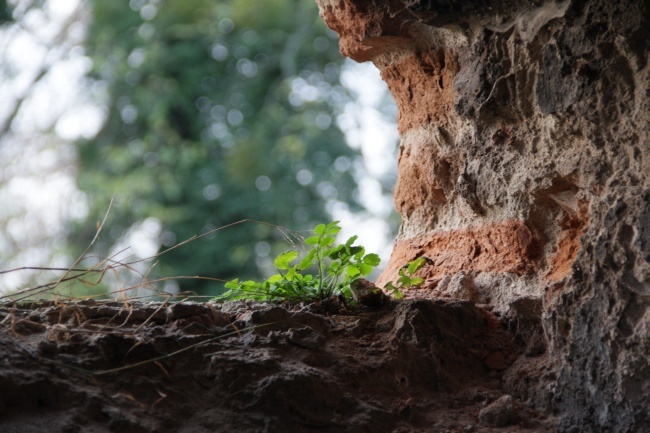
356 250
307 261
416 281
320 229
351 241
352 271
335 253
232 284
332 228
404 281
282 261
364 269
415 265
274 278
334 268
313 240
291 274
372 260
223 297
326 241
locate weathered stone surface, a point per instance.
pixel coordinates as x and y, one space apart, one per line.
498 247
409 366
498 414
524 162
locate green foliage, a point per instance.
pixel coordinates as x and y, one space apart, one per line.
406 278
6 16
334 269
217 111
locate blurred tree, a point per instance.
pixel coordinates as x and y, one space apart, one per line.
215 112
5 13
41 71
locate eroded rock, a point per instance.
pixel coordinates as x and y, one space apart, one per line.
500 413
524 163
407 366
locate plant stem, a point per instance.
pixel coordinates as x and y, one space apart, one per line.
320 271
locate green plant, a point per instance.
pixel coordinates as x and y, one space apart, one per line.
335 269
406 278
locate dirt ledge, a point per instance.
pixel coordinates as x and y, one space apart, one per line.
412 366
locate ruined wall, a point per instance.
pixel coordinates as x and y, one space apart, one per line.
524 175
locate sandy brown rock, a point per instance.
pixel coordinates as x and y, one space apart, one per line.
499 247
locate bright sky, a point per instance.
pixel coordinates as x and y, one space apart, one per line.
38 194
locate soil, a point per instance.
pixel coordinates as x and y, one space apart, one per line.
409 366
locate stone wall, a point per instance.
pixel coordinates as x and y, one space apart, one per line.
524 175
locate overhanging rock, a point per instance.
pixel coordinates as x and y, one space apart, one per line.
523 168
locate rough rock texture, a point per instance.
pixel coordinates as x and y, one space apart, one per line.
524 165
411 366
